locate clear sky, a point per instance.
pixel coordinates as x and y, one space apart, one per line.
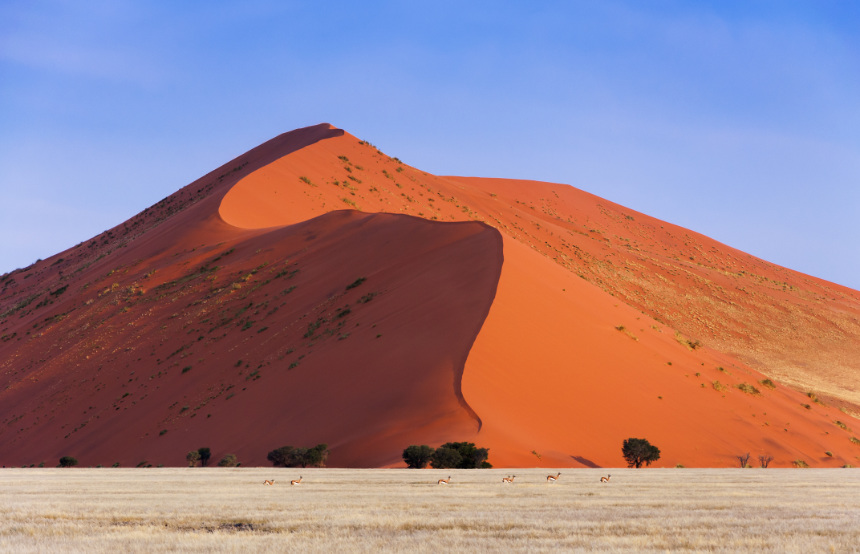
736 119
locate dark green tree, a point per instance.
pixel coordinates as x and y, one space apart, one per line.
68 461
639 451
316 456
205 454
292 456
281 457
445 457
417 457
471 457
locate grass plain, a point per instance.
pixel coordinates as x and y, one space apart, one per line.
365 510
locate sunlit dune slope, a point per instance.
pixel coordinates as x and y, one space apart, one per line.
606 324
562 373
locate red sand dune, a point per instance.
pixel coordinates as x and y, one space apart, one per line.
532 318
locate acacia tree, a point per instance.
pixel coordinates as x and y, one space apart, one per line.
638 452
744 459
417 457
445 457
765 459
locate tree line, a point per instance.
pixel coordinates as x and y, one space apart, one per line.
451 455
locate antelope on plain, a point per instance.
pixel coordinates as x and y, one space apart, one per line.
553 478
509 479
296 481
443 481
605 479
268 482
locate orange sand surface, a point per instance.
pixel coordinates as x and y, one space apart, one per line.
532 318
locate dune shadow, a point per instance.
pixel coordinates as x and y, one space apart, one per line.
585 461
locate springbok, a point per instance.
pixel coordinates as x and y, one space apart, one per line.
509 479
443 481
553 478
296 481
605 479
267 482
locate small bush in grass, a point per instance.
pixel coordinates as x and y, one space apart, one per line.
749 389
68 461
718 386
829 454
841 425
800 463
814 397
689 343
767 383
855 440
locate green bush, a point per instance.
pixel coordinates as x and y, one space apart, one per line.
749 389
192 458
417 457
230 460
460 455
445 458
68 461
292 456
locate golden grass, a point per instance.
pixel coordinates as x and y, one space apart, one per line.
226 510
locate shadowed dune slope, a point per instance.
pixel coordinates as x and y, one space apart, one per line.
349 329
221 317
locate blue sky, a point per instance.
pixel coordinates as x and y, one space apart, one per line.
739 120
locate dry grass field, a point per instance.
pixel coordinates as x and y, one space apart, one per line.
227 510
